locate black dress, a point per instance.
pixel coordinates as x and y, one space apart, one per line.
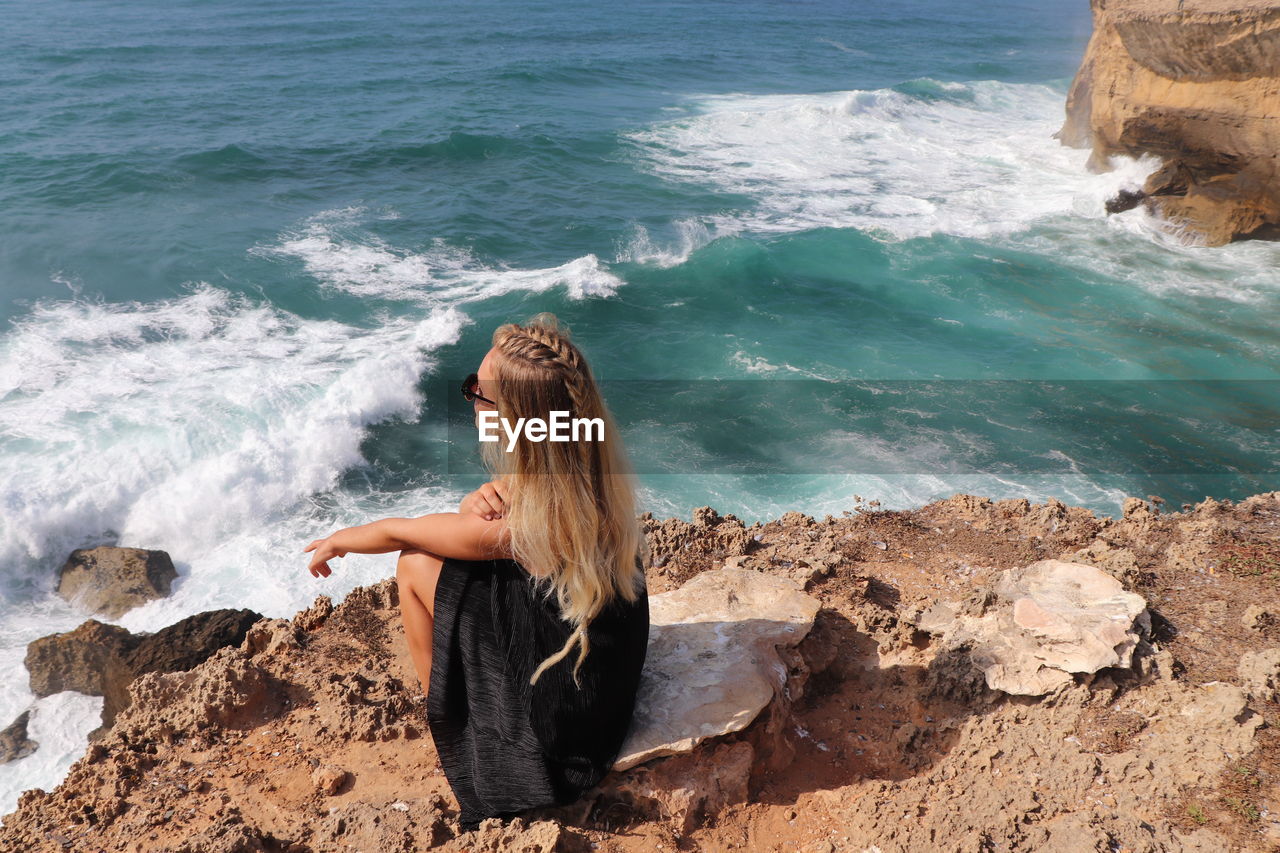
505 745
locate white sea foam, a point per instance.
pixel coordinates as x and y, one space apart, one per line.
60 724
1138 249
758 365
344 257
690 235
140 418
970 159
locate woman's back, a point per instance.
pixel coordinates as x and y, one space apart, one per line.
507 745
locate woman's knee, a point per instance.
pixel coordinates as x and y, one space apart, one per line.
413 562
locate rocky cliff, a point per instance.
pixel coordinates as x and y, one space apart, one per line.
1196 82
911 716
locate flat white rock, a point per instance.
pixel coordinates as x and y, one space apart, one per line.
712 664
1046 621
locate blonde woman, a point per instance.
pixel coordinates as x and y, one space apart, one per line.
526 611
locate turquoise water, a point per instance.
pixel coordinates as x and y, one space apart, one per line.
249 249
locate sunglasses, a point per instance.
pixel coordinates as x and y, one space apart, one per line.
469 390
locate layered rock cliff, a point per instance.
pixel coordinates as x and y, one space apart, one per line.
1197 83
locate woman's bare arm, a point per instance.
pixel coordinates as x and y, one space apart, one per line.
462 536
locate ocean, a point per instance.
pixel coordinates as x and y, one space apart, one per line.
812 250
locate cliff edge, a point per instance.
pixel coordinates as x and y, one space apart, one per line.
1197 83
887 735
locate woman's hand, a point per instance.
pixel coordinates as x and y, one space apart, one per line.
325 551
489 501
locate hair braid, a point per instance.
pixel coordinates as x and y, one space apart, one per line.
547 343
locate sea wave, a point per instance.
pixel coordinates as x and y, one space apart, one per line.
345 257
972 159
142 418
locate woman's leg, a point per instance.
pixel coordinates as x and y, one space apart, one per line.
416 575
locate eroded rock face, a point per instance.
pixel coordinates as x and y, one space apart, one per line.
706 540
1260 674
1197 83
111 581
84 659
98 659
514 836
223 758
228 691
1037 625
712 663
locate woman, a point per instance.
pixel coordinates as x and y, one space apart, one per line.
545 559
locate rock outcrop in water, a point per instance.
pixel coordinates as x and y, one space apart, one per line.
309 737
1196 82
111 580
98 659
14 741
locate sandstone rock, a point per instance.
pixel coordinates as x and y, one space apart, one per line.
1196 84
712 663
1037 625
1155 663
328 779
1018 507
227 691
710 537
1059 775
1258 618
271 637
1187 556
111 580
314 616
683 789
85 659
1120 563
14 742
516 836
1260 674
1213 727
1135 508
102 660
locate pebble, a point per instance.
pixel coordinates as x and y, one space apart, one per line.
328 778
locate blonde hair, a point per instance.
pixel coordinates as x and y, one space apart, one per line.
571 508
